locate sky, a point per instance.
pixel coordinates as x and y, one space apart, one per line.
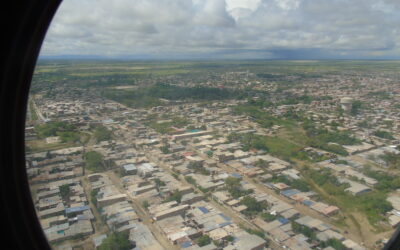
225 29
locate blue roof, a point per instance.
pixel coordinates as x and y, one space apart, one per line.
225 224
204 210
210 228
225 217
308 202
268 184
290 192
186 244
283 220
236 175
76 209
82 217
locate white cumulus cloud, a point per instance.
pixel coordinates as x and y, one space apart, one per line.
196 28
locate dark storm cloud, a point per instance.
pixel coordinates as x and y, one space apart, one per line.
226 28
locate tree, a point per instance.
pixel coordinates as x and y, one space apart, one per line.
259 233
334 243
297 228
190 180
384 134
230 238
101 133
69 136
198 167
145 204
94 161
356 107
116 241
159 183
391 159
165 150
64 191
204 240
52 128
268 217
235 188
175 196
261 163
232 182
93 196
253 206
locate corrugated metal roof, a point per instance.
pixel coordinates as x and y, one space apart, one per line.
290 192
225 217
283 220
204 210
308 202
186 244
76 209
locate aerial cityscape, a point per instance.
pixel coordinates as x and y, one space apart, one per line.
222 154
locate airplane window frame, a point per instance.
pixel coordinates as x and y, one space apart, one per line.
24 36
24 32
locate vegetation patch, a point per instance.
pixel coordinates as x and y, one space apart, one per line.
101 133
175 196
203 240
299 184
384 134
373 204
235 189
392 160
150 96
167 127
67 132
116 240
253 206
94 161
65 191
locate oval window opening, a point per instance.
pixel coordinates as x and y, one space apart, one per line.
217 125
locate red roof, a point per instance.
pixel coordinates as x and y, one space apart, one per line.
188 153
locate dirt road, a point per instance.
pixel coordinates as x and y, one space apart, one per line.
236 217
143 215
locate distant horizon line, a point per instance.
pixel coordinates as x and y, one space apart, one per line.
120 58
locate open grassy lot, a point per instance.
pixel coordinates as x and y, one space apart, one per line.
41 145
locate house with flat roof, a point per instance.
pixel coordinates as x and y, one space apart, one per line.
130 168
246 241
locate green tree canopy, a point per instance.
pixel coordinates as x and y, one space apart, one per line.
175 196
94 161
356 107
384 134
101 133
116 241
204 240
64 191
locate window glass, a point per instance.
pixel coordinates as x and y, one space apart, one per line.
217 125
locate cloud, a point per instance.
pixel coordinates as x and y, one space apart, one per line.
288 4
226 28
